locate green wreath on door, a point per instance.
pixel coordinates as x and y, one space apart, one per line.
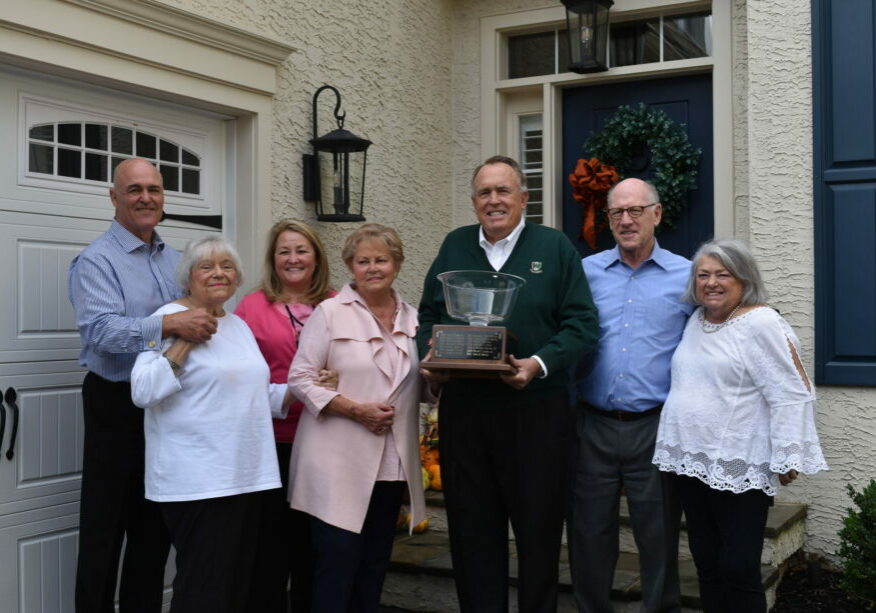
673 159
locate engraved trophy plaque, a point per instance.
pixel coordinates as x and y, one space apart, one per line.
480 298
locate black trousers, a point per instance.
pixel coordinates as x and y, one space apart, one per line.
500 464
215 542
284 551
112 507
726 540
350 567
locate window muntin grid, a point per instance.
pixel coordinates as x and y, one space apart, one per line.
88 152
643 41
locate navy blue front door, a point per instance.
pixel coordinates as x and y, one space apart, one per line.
688 101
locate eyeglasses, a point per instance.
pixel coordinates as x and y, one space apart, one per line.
634 211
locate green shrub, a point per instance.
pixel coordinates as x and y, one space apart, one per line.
858 546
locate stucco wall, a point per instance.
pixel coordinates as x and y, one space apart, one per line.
466 80
776 110
391 61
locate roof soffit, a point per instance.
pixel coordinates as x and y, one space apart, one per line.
192 26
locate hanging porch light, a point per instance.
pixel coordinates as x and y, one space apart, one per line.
587 26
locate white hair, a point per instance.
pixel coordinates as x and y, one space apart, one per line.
200 249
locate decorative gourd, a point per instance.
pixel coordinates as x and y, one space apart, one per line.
431 457
435 477
419 528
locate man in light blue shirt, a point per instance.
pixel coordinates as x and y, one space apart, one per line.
115 284
637 288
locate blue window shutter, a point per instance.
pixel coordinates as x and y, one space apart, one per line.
844 103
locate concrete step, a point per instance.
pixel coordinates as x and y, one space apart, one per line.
421 573
420 578
784 534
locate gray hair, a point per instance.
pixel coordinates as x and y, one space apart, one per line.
501 159
200 249
652 193
736 257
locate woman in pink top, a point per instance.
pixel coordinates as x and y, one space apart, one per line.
356 452
295 280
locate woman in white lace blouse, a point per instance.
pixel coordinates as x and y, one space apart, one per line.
739 421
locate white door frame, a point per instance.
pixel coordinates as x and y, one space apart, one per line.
497 93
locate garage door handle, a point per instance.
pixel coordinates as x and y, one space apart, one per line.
10 397
211 221
2 423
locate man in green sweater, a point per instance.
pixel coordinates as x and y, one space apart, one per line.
505 443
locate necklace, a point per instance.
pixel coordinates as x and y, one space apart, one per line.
715 327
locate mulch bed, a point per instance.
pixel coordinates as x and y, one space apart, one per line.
813 587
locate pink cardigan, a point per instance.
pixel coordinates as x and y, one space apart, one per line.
335 460
277 340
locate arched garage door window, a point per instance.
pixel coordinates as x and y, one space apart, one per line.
89 152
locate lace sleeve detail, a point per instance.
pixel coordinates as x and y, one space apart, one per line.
788 393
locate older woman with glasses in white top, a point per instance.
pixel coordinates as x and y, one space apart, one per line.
738 422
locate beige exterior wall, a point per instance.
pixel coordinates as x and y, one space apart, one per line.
467 149
391 61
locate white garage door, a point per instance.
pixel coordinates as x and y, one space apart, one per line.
59 142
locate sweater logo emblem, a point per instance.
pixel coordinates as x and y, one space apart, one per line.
535 268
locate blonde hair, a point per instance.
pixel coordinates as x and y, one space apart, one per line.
319 283
374 231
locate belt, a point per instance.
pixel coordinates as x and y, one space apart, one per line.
622 415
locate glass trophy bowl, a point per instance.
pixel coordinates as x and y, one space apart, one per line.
480 298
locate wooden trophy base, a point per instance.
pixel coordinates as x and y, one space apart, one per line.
469 351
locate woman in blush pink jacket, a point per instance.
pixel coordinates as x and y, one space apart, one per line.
356 449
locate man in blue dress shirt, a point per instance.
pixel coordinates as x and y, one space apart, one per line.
114 285
636 287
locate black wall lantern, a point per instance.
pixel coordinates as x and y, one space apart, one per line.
587 22
347 164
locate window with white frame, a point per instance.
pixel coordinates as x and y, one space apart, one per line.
74 148
532 163
631 42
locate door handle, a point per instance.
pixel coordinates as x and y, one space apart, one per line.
10 397
211 221
2 422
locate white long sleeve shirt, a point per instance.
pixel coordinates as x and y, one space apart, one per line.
738 412
208 432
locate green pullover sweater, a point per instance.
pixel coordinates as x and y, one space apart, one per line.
554 316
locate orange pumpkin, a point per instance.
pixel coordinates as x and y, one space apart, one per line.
435 477
430 457
421 527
